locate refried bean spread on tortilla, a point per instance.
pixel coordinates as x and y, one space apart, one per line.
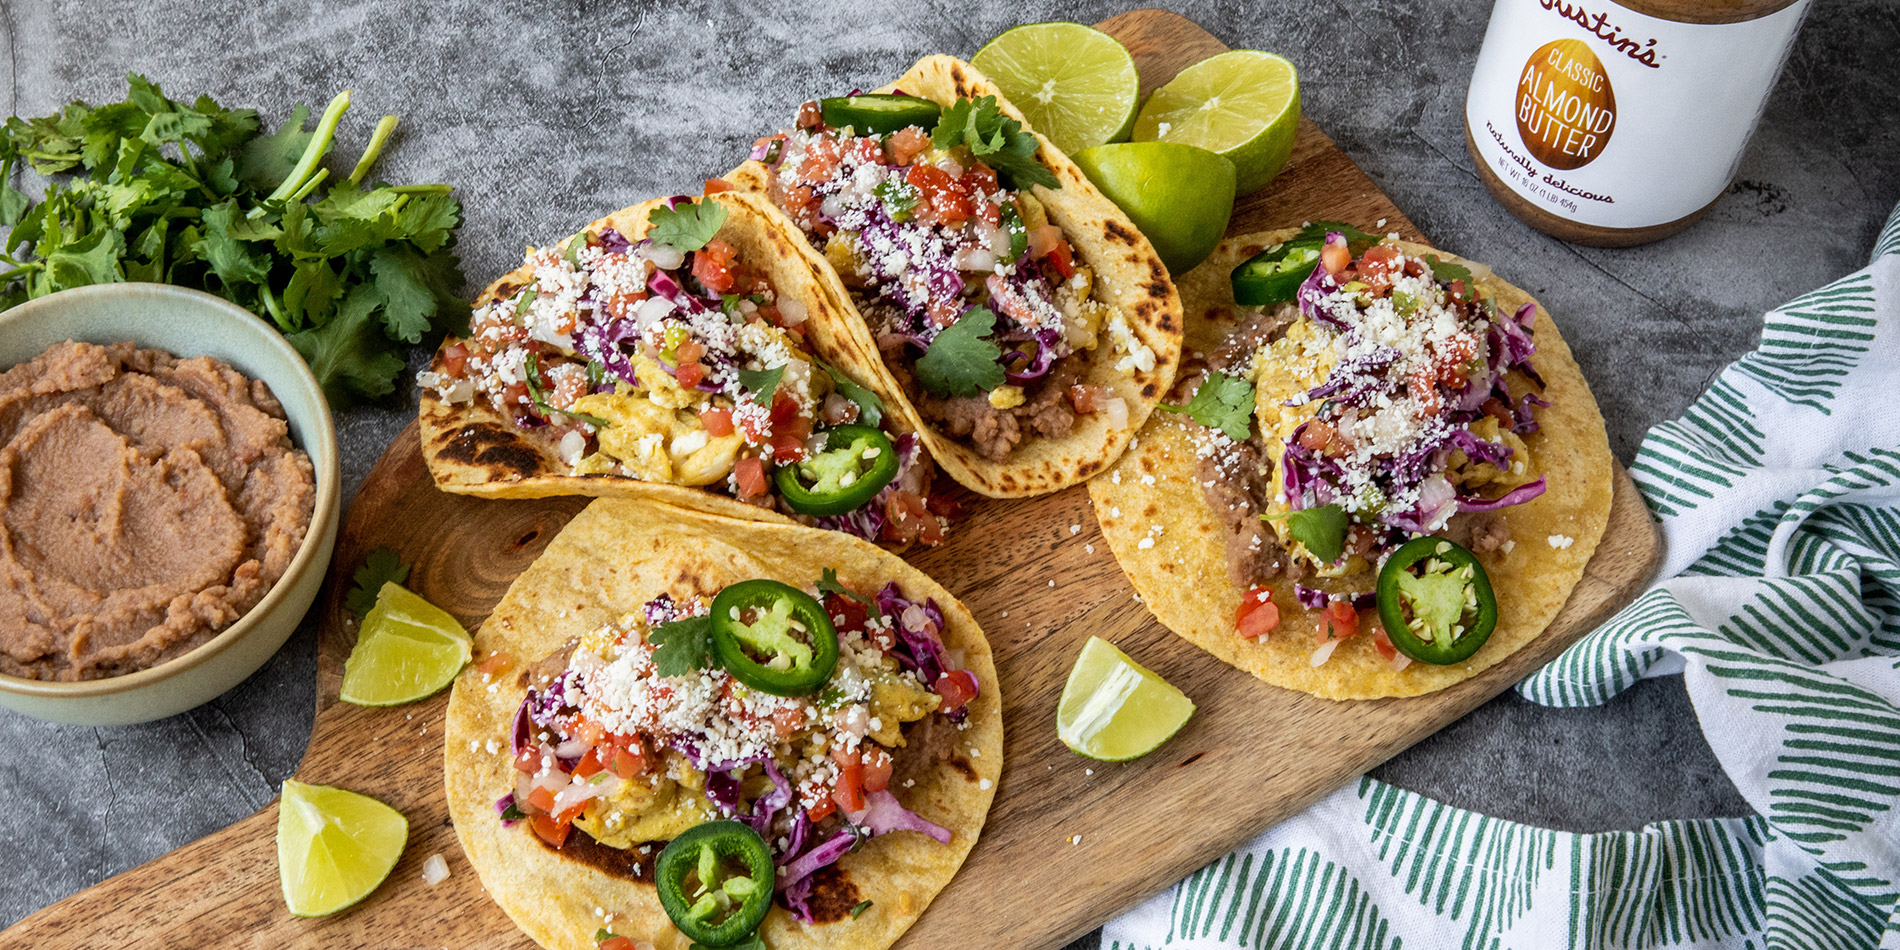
146 503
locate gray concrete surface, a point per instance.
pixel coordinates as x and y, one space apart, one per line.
549 114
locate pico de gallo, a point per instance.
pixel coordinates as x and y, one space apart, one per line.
761 726
673 360
1370 397
977 300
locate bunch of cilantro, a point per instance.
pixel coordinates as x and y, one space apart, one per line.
151 189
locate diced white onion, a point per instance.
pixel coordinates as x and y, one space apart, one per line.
1400 662
571 749
1324 653
572 445
665 257
832 206
791 312
973 258
914 618
575 794
434 870
1115 412
650 310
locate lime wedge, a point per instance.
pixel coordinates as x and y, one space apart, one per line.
1113 709
1075 84
1243 104
407 650
1178 195
334 846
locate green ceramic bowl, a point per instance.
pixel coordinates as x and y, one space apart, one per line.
187 323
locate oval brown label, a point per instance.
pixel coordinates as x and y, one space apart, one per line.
1566 109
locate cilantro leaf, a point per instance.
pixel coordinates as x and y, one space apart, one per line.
1322 530
861 907
762 382
828 584
1448 271
960 362
687 227
870 407
1356 240
1221 402
349 354
381 566
267 160
994 138
681 646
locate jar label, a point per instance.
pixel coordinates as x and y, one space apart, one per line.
1612 118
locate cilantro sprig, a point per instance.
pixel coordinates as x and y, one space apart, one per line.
681 646
687 227
997 139
870 407
762 382
828 584
960 362
1222 402
537 395
1322 530
382 565
1315 233
194 194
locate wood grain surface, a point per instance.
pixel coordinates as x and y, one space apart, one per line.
1040 579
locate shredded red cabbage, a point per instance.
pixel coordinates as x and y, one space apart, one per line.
883 814
1515 496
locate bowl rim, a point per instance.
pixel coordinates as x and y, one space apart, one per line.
323 512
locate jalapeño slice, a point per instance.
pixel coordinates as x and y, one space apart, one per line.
856 464
1275 275
773 637
1436 601
715 882
877 113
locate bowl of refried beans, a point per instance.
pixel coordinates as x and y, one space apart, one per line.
169 494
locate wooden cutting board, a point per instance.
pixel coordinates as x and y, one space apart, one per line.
1039 578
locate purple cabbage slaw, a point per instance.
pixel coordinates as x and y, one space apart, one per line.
1309 477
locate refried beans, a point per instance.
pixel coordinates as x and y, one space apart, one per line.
146 503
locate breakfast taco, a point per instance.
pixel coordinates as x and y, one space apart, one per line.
678 350
1025 323
1383 474
686 728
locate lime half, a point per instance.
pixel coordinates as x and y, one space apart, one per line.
1114 709
1178 195
407 650
1243 104
334 846
1075 84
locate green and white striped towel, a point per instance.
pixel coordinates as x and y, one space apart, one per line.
1779 495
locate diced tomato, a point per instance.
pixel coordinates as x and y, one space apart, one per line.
904 144
716 185
1063 259
515 395
716 422
1316 435
790 428
590 764
528 760
943 202
688 375
877 769
571 812
454 357
1422 385
1087 398
1258 614
821 160
845 613
1383 643
541 799
1335 257
907 518
1338 621
821 811
1043 239
786 721
978 179
849 792
866 151
550 830
618 942
749 473
944 504
627 762
712 265
957 687
590 732
620 305
1456 290
494 663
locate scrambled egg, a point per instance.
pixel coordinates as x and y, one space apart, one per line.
896 700
662 388
1296 362
656 807
656 443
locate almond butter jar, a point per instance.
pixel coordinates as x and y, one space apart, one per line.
1620 122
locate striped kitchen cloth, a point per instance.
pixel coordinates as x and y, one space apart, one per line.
1779 496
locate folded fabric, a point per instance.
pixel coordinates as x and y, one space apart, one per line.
1779 499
